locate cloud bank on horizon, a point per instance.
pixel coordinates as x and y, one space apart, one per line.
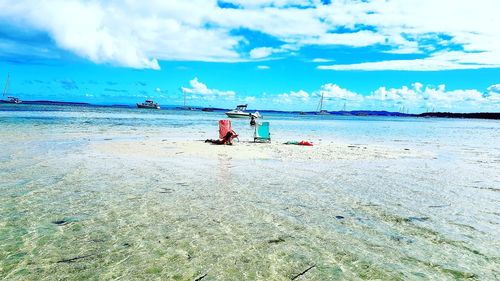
406 98
422 35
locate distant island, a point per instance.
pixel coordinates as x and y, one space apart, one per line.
49 102
478 115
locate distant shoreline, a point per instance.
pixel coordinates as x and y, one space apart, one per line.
475 115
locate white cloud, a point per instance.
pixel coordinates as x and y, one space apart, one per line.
435 97
127 33
301 94
270 3
415 98
440 61
355 39
493 96
263 67
283 98
292 97
200 89
137 33
333 91
262 52
250 99
321 60
494 88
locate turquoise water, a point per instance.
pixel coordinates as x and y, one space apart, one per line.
70 211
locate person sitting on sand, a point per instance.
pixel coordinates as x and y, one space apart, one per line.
225 140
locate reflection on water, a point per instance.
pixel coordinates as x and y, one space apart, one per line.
71 212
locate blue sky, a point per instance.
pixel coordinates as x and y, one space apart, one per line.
281 54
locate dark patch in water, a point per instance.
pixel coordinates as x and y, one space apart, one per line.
303 272
61 222
464 226
487 188
417 219
439 206
97 240
74 259
201 277
276 241
401 239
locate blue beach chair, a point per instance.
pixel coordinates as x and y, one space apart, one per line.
262 132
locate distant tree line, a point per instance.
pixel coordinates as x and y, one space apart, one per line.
480 115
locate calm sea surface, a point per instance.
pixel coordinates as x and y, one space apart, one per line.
71 212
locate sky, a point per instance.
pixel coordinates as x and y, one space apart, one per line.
412 56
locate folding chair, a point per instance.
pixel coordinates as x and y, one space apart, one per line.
261 133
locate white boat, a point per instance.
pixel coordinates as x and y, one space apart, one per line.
6 90
320 110
13 100
149 104
240 112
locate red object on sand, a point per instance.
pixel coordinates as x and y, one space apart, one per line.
306 143
224 128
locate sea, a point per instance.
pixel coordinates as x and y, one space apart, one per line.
71 212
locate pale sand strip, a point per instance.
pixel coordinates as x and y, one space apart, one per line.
156 148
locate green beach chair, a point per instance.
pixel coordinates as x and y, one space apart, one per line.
262 132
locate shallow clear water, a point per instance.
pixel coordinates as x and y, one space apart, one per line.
69 211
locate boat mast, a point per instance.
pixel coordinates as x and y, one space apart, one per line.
320 105
184 93
7 82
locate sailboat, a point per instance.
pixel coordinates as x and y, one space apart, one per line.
6 90
185 107
320 110
207 109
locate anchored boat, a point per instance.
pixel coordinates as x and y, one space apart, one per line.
6 90
240 112
149 104
321 111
